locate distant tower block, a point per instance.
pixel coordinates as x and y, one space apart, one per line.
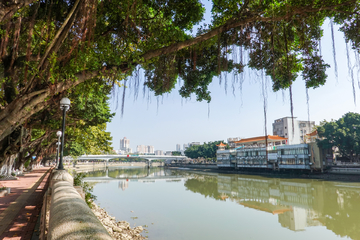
124 144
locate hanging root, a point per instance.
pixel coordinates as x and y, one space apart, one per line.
351 72
333 46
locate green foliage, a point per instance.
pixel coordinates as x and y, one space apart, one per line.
206 150
205 185
106 42
26 164
176 153
78 181
343 133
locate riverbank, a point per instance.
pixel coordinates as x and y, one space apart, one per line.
118 230
322 176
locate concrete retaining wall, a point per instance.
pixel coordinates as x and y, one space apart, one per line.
344 170
202 166
70 216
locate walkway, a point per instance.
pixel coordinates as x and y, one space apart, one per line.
19 211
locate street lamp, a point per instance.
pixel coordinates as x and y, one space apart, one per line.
64 105
58 133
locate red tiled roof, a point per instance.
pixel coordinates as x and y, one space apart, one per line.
221 145
262 138
314 133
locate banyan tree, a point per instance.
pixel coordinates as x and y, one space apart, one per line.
53 48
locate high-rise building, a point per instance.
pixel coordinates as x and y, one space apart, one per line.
159 152
145 149
178 147
292 129
125 144
185 146
141 149
150 149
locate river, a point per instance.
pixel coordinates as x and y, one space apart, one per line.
198 205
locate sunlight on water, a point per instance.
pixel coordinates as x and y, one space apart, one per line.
188 205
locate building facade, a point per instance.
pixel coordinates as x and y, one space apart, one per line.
178 147
125 145
292 129
159 152
145 149
150 149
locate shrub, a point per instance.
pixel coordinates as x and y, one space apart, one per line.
78 181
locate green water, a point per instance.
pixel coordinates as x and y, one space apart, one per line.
187 205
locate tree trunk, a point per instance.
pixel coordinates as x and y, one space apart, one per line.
24 106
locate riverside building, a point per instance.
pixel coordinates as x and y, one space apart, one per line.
272 153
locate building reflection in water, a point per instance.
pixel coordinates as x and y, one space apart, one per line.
123 184
298 203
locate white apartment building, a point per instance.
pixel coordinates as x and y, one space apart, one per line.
144 149
159 152
292 129
185 146
178 147
150 149
305 127
125 145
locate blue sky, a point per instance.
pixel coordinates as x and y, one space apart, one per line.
165 121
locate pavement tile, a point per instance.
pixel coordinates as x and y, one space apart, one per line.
20 209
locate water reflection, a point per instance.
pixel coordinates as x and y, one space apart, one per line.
298 203
128 173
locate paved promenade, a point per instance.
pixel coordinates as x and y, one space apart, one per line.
19 211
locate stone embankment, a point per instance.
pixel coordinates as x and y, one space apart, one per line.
118 230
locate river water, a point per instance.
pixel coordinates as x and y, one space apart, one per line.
198 205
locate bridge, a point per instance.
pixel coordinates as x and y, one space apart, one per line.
149 158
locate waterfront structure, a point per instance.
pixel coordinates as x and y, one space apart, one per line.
125 145
292 129
276 155
231 141
178 147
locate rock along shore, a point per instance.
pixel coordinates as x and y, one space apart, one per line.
118 230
